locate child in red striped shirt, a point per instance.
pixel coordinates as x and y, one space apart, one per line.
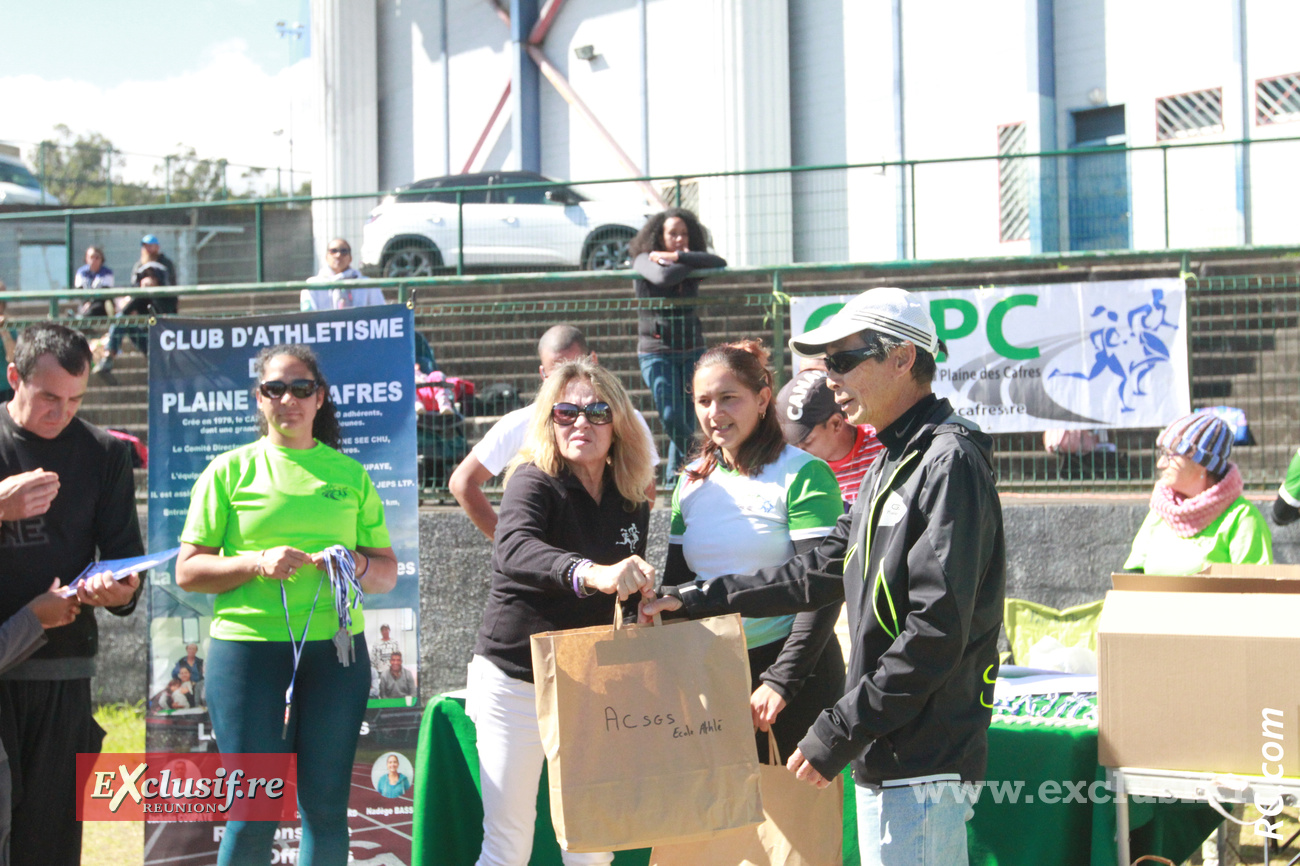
812 421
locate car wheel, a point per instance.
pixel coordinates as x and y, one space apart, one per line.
412 259
609 252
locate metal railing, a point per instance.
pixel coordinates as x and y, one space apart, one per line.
1244 332
1190 194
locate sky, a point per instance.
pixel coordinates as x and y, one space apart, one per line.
211 74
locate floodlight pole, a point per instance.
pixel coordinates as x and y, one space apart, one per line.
293 32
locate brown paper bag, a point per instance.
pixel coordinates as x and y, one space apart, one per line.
647 732
802 826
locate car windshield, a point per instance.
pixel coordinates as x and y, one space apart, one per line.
11 172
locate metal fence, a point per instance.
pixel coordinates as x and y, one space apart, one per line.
1244 332
1190 194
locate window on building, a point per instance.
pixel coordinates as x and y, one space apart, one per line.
1013 184
1277 100
1187 114
1097 127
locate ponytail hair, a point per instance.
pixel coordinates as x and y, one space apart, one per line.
748 361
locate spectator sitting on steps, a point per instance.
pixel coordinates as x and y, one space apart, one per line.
154 269
338 267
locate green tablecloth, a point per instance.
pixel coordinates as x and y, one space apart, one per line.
448 826
1068 834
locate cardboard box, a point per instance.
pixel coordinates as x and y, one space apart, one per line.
1202 673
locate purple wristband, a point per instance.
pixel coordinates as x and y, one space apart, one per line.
578 589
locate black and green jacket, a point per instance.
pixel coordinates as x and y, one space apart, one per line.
920 561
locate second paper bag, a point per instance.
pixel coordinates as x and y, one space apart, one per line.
647 732
804 827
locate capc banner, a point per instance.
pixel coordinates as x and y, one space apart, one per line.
1068 355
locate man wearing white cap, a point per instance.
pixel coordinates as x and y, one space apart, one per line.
920 560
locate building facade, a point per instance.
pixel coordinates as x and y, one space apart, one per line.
592 89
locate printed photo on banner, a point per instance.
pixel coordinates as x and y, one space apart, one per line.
1067 356
177 648
391 775
390 635
202 404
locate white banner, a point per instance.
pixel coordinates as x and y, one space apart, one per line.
1063 356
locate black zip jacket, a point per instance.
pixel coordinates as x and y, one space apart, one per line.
546 524
921 563
661 330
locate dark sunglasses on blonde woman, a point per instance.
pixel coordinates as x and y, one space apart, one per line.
300 388
566 414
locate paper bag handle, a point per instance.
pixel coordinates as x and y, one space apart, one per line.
1233 783
618 616
773 753
1154 858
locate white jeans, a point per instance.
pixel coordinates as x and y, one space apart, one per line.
510 758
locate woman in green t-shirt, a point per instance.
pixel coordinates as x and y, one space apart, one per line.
260 518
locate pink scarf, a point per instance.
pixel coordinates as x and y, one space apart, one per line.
1188 516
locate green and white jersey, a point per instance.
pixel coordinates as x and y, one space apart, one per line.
1290 489
730 523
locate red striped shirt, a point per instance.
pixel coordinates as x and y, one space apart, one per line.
850 470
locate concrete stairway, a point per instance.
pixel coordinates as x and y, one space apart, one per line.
1245 349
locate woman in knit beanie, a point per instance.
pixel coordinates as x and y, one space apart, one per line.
1198 515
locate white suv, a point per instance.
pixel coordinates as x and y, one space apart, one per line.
414 232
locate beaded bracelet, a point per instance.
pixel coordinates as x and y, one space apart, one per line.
579 588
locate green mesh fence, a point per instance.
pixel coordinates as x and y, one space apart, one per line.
1244 332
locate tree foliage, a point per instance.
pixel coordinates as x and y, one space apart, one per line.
72 168
85 170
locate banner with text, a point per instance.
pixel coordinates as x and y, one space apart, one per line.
201 404
1067 355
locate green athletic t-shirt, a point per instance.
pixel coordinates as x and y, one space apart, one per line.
260 496
730 523
1239 535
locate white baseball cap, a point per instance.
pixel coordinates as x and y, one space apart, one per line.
886 310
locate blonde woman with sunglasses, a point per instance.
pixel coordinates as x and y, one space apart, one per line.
570 537
260 518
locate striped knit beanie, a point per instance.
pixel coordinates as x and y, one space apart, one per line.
1201 437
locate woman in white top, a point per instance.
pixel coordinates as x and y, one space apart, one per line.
746 501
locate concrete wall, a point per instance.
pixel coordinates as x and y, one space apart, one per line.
1059 554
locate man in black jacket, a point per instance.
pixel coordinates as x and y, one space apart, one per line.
921 562
67 497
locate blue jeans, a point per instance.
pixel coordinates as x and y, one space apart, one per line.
245 685
668 376
912 825
139 335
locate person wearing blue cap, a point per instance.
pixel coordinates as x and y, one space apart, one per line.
1198 515
153 269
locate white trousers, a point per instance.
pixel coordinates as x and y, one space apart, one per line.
510 759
